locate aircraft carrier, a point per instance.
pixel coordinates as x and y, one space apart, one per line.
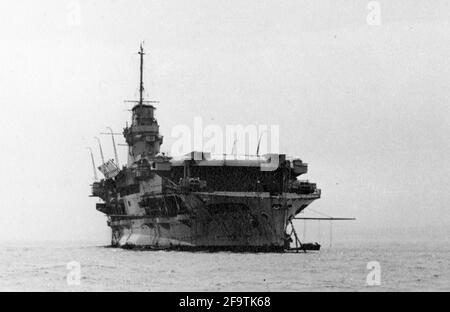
198 201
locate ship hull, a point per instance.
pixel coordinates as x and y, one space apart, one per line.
235 221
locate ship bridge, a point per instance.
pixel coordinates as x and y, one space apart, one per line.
142 136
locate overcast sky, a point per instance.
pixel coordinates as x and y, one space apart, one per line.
367 107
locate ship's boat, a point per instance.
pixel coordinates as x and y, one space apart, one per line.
198 201
310 246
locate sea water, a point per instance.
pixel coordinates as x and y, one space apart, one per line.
344 267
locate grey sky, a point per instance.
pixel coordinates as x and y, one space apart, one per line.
366 106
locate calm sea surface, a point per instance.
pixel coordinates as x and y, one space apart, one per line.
403 267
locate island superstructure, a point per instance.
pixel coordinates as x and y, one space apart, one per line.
198 201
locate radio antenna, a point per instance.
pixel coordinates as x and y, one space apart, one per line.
114 145
93 164
101 150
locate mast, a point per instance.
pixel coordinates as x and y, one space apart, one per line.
141 85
